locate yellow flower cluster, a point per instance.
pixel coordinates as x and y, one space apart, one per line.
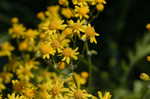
38 58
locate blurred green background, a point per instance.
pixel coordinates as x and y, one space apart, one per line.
122 47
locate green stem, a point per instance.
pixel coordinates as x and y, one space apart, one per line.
89 65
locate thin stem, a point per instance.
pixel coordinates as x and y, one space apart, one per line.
89 65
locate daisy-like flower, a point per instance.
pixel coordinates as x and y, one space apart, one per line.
57 89
90 34
17 30
46 50
106 95
15 96
52 25
82 11
58 41
30 34
68 54
5 49
24 73
67 12
76 27
76 93
6 76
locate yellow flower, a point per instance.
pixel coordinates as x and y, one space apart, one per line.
58 41
76 27
90 34
85 75
46 50
80 2
69 54
5 49
57 89
144 76
14 20
67 31
52 25
67 12
63 2
61 65
41 15
43 95
23 46
100 7
82 11
30 34
148 58
101 1
2 86
77 93
24 73
106 95
80 79
19 86
12 65
148 27
94 2
53 11
14 96
17 30
6 76
29 92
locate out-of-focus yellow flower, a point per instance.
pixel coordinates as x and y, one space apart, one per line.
6 76
23 46
61 65
43 95
69 53
53 11
148 58
81 80
106 95
144 76
82 11
19 86
80 2
14 96
29 92
148 27
63 2
67 12
2 86
14 20
100 7
52 25
12 65
17 30
100 1
41 15
24 73
46 50
5 49
67 31
85 75
30 34
90 34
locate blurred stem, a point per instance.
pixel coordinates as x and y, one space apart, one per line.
89 65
